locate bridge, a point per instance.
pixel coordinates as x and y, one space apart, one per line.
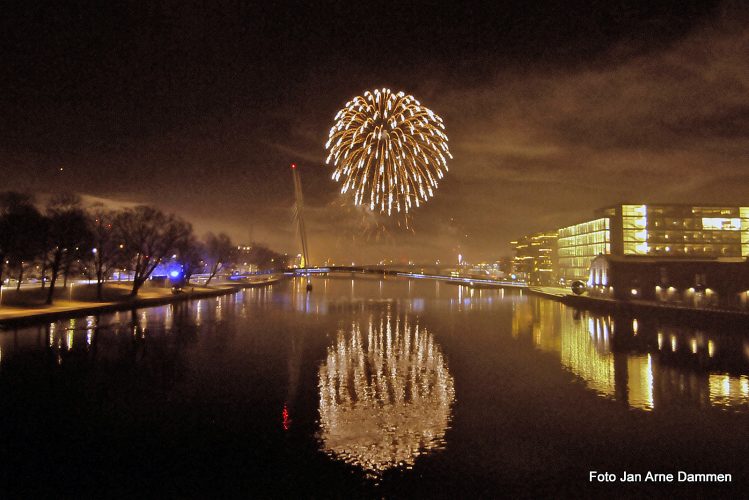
417 272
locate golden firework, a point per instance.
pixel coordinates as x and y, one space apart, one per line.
388 150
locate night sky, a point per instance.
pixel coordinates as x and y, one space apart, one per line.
552 110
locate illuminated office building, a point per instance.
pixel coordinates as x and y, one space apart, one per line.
579 244
654 230
535 258
679 230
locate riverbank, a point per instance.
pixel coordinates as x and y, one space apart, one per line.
633 307
66 305
667 311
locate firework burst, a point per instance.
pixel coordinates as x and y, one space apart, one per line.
388 150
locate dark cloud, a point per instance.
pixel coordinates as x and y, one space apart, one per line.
669 125
551 113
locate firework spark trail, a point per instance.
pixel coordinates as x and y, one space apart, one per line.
388 150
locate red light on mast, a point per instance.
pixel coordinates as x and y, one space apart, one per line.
293 165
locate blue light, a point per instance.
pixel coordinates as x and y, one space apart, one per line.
174 274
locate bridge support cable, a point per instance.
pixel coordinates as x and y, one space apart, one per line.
299 216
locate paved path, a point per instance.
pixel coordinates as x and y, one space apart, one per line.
553 291
146 297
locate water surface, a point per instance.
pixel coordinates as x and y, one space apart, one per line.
368 387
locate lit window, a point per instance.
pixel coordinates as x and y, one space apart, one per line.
721 223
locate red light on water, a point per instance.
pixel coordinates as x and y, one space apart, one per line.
285 413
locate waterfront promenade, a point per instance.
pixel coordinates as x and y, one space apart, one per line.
25 310
635 306
565 295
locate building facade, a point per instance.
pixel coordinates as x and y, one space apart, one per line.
654 230
700 283
535 260
672 230
579 244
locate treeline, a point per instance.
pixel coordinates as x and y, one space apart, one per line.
66 240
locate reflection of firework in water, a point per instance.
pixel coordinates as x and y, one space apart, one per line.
385 395
388 150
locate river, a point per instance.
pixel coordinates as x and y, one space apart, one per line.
369 387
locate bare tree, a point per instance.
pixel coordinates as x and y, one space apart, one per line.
71 262
265 258
219 250
148 236
29 231
106 253
190 255
68 233
21 232
14 208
